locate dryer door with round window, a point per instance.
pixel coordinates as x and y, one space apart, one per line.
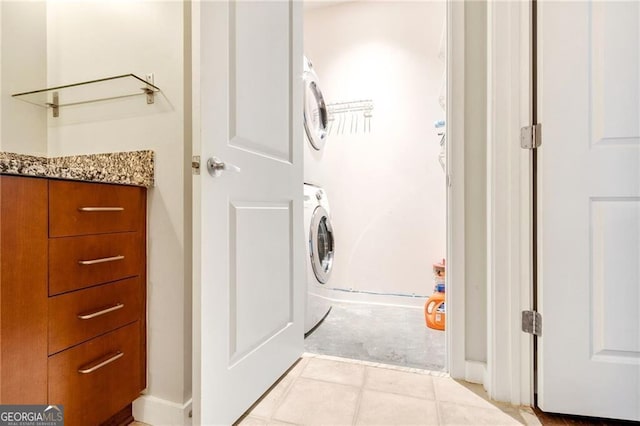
321 244
316 117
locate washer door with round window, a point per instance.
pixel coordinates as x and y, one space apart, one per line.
316 116
321 244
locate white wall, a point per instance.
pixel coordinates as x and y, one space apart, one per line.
94 39
386 188
23 67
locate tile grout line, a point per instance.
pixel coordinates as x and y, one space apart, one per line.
404 395
286 392
277 403
437 402
398 393
319 379
329 382
433 373
356 413
438 416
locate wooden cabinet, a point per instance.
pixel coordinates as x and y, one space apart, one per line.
72 296
23 290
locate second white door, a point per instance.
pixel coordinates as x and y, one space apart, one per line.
589 240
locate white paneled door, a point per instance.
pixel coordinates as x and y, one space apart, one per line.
248 219
589 239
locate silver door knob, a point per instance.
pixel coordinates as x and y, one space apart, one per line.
216 167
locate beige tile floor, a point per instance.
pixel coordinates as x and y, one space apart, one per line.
322 390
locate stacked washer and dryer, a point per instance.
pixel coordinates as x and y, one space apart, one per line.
317 220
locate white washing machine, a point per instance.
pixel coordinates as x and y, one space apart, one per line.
316 121
320 250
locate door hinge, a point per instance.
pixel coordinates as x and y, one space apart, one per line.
195 165
531 136
532 323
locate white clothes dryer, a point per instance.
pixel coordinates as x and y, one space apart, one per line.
316 116
320 252
316 121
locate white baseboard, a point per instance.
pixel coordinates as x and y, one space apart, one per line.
160 412
376 299
475 372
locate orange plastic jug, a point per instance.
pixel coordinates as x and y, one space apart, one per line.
434 311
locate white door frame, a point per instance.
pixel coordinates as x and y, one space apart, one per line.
509 369
509 203
509 283
455 297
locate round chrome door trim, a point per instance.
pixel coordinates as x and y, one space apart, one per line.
321 245
316 115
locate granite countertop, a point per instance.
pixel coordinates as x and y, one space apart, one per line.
127 168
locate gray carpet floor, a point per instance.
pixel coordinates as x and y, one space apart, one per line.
377 333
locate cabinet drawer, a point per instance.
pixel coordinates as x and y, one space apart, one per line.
80 262
81 315
80 208
97 378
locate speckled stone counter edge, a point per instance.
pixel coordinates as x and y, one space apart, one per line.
127 168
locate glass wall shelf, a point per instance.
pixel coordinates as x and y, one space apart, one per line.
103 89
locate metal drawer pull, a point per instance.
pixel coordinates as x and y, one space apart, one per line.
91 369
103 260
101 209
102 312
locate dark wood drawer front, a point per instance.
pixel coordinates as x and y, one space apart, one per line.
84 314
80 262
97 378
80 208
